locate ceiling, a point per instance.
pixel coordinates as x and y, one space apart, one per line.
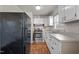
45 9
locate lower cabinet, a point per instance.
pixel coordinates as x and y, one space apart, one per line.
57 46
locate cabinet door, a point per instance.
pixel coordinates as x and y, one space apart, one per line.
66 13
61 13
70 11
51 44
77 12
12 41
57 47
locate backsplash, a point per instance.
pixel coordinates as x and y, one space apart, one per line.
72 27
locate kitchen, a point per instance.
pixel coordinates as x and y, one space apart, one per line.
29 29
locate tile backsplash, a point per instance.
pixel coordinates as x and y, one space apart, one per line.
72 27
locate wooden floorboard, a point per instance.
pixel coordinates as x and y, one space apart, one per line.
37 48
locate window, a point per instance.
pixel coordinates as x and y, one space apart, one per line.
50 20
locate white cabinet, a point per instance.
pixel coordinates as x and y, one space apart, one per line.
61 13
55 46
68 13
72 13
48 41
61 44
77 12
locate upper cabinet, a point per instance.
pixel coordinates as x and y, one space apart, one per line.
77 12
61 13
68 13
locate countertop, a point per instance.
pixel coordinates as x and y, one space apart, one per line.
66 38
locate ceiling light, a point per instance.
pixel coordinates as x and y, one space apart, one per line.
37 7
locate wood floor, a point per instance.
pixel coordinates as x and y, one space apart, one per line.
37 48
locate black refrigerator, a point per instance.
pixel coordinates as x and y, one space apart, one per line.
12 33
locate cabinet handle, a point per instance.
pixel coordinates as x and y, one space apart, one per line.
52 47
55 43
64 18
75 14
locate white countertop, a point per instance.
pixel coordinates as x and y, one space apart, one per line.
66 38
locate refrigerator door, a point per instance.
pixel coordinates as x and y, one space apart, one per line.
12 41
